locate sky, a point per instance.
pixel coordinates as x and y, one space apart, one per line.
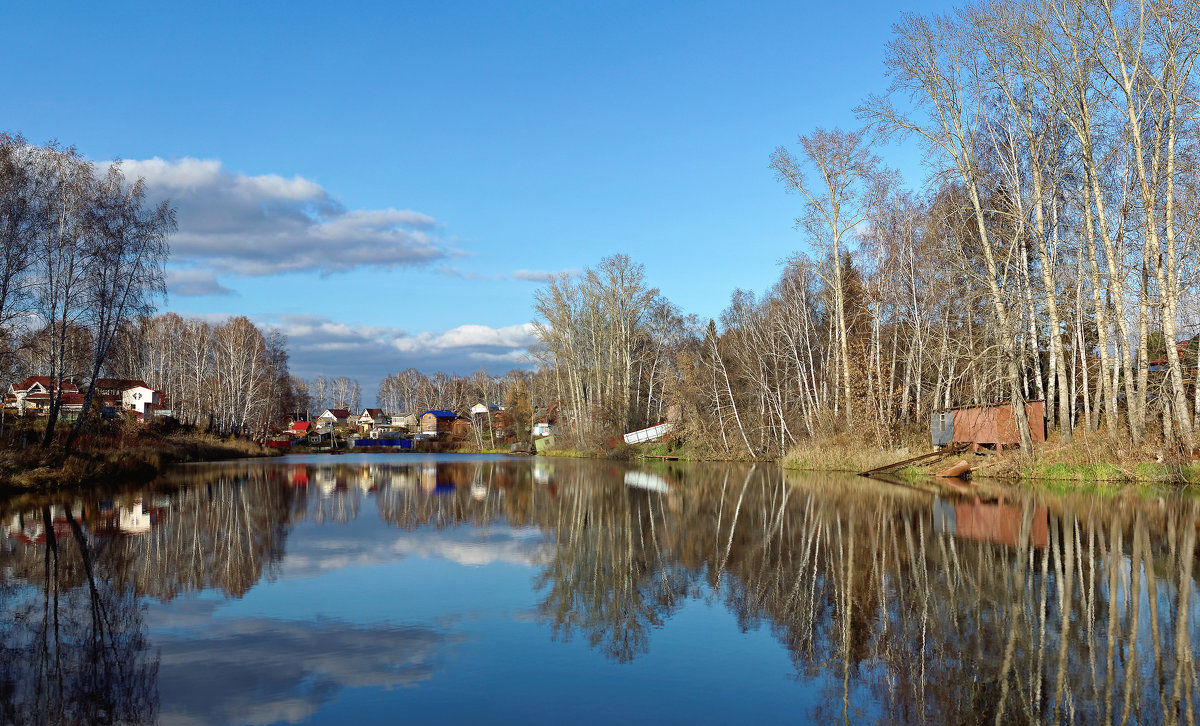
390 183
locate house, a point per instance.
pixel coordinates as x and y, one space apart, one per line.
1181 348
334 417
406 421
128 394
438 421
460 427
372 417
32 395
300 428
483 409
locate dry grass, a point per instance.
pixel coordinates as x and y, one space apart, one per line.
846 452
126 454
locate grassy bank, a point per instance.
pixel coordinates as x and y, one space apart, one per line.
1090 461
127 456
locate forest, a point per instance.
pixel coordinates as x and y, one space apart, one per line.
1050 253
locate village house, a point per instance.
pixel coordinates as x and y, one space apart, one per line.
438 422
492 418
126 394
483 409
406 421
371 417
333 417
32 396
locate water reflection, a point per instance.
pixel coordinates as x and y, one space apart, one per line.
924 609
71 630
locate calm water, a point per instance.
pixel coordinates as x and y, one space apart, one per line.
381 588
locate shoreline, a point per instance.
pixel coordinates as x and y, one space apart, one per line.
37 470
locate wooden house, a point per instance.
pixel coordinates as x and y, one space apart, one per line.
438 421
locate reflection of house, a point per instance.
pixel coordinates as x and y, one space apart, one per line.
438 422
31 529
134 519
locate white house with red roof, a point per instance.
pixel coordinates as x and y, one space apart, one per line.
334 417
32 396
128 394
372 417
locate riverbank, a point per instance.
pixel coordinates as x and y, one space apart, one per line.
129 458
1089 462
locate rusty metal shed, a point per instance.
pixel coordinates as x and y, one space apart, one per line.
987 424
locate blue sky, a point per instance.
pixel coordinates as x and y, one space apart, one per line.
386 181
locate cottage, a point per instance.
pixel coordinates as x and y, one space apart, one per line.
127 394
484 409
438 422
461 428
32 395
406 421
371 417
334 417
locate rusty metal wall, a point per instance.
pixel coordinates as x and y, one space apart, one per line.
995 424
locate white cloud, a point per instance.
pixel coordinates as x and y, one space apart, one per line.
319 345
541 275
234 223
188 283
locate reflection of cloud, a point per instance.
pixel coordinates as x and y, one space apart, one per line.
256 670
467 546
524 549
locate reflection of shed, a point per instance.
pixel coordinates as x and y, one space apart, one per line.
986 424
990 522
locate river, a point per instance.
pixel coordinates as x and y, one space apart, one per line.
379 588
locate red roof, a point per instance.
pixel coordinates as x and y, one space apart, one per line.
119 384
46 382
373 412
1181 346
301 426
340 413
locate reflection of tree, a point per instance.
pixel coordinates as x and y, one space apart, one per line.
225 529
871 598
606 575
74 646
1011 613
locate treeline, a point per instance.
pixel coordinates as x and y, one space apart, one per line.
81 254
230 377
608 344
1051 254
